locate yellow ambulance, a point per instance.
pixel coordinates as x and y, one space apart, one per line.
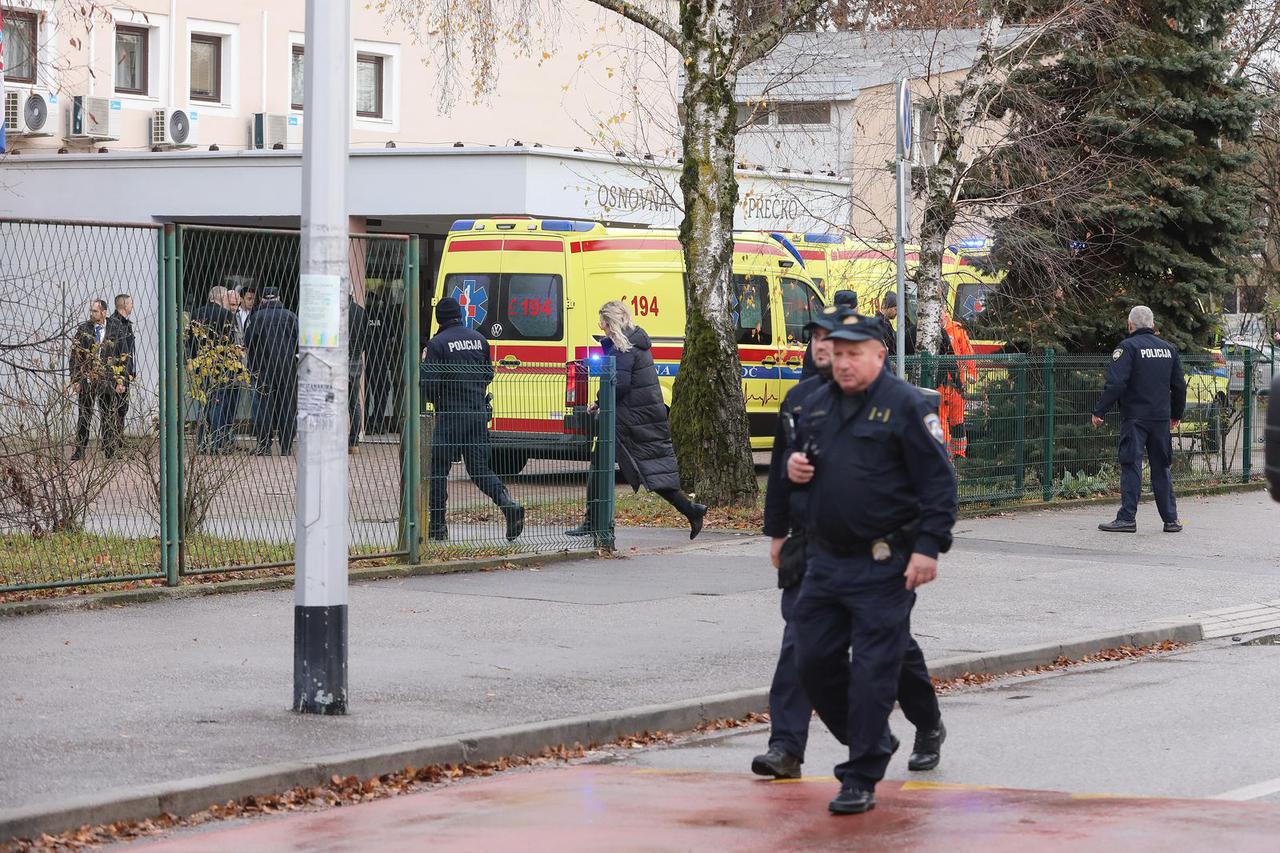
836 262
534 289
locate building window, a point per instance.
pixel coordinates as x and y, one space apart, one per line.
206 68
297 83
131 60
926 147
20 30
804 113
753 115
368 86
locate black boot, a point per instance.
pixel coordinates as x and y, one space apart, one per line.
514 514
853 800
927 751
696 514
1119 526
776 763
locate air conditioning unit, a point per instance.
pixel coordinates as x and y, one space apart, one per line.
29 113
94 119
267 130
174 128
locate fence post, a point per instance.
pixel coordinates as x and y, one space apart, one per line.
607 454
1247 468
1047 476
411 436
170 410
1020 424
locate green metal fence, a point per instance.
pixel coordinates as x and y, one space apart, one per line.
537 439
1026 432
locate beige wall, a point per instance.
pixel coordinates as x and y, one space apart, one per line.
562 100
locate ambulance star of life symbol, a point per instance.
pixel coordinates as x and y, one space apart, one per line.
473 301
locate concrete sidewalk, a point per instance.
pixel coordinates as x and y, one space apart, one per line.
96 700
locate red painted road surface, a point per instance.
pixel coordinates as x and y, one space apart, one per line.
625 809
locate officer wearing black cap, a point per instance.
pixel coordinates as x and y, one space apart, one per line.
456 371
1146 379
844 299
881 504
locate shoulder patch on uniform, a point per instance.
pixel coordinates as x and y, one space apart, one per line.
1115 356
934 425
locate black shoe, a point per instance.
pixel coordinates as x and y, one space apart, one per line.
695 520
78 454
927 752
515 521
1119 526
776 763
853 801
438 534
1172 527
583 529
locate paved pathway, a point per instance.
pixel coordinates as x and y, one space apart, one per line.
96 700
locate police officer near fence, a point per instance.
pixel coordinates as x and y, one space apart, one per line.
1146 379
457 368
880 507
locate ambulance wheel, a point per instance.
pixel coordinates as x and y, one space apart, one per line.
507 462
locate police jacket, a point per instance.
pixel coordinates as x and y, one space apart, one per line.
784 503
880 467
271 340
1146 378
456 371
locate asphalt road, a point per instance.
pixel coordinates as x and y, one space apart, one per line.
1199 723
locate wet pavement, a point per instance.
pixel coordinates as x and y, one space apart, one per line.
629 809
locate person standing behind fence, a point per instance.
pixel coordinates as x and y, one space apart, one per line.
888 312
644 450
457 368
211 325
1146 379
96 370
357 336
120 328
271 339
383 345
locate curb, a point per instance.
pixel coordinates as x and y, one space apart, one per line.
981 510
187 796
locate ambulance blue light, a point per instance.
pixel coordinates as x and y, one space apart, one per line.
462 225
822 238
566 225
786 244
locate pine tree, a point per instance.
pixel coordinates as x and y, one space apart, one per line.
1128 175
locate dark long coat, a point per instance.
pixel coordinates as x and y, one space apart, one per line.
644 449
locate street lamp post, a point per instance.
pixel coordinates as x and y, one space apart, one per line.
903 224
320 577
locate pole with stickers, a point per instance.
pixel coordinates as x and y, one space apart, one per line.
320 575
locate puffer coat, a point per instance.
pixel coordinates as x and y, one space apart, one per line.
644 449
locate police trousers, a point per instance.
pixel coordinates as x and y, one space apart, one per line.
465 436
856 656
1153 438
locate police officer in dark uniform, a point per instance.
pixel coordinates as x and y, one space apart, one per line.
456 371
1146 379
881 504
1272 448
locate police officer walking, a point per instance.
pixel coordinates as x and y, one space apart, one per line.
881 504
1146 379
456 371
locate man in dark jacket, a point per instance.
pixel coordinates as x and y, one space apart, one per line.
97 371
888 312
271 339
357 333
212 325
120 328
1272 449
1146 379
456 371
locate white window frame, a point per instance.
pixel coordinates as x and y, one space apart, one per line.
918 141
158 59
296 40
390 53
228 66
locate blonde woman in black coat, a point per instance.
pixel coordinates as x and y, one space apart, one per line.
644 449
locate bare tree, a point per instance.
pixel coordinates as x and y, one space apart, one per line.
714 40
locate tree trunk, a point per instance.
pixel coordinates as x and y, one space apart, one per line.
939 217
708 412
